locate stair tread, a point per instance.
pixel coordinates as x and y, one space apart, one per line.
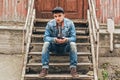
78 31
60 76
74 20
80 36
43 28
40 43
58 64
78 53
104 31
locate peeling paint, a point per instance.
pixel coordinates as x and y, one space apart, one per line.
108 9
13 10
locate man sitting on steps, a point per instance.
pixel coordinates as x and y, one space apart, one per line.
59 37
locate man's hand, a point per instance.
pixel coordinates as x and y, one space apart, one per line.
61 41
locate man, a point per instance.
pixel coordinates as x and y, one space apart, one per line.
59 37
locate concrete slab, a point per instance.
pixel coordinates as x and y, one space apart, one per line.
10 67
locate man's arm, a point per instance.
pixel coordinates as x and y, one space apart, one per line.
47 36
72 37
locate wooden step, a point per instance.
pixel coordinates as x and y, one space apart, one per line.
81 47
104 26
58 76
81 28
79 31
80 44
43 28
83 44
74 20
41 36
104 31
59 64
79 53
37 35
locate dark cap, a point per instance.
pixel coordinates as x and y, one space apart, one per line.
57 10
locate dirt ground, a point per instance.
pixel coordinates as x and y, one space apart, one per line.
10 67
109 67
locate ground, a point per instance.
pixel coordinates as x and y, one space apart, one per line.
109 67
10 67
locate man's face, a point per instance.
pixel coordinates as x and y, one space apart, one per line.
58 17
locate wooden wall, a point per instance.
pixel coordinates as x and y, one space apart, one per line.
13 10
108 8
16 10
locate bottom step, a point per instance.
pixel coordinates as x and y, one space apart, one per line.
57 77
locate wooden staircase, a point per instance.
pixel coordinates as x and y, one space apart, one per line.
59 64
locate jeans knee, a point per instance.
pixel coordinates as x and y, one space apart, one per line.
45 46
73 46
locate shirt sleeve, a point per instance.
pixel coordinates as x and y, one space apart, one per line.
72 37
47 35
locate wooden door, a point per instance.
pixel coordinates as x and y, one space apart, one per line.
74 9
44 8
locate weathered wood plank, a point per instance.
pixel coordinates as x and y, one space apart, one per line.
78 31
74 20
79 53
58 76
13 10
92 49
59 64
81 44
108 8
41 36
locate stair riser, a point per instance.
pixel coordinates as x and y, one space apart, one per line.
57 59
57 79
78 32
58 70
41 24
43 28
80 48
40 39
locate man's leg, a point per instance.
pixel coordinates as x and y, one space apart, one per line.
73 59
45 59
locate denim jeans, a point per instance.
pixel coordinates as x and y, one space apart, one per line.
59 49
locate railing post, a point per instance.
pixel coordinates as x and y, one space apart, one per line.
110 28
92 46
95 31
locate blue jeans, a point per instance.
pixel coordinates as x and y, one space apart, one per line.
59 49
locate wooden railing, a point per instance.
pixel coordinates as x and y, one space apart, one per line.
29 19
28 28
94 21
28 22
94 27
